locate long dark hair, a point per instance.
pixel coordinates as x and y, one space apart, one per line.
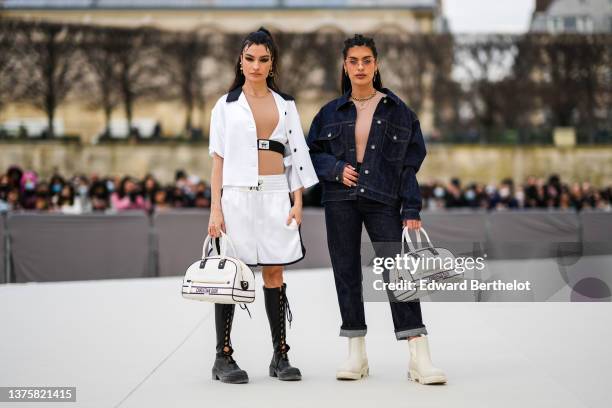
357 41
260 37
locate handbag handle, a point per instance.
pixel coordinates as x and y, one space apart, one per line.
430 246
224 241
426 236
406 239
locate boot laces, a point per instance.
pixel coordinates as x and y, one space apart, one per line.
288 314
285 313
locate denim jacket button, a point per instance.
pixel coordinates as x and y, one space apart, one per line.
372 147
337 178
329 135
378 121
289 130
385 100
394 137
367 171
294 150
362 190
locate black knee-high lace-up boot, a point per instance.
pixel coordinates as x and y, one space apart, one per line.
225 367
277 307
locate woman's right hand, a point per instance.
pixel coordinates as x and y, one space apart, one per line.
216 223
350 176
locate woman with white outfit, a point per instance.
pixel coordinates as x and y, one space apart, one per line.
261 165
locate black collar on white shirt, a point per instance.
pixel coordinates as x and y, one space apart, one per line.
234 94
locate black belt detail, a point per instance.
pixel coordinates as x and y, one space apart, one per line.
266 144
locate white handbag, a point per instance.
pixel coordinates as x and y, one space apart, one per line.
219 278
435 265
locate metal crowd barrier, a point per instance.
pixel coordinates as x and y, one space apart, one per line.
57 247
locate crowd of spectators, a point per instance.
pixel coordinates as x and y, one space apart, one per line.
25 190
534 193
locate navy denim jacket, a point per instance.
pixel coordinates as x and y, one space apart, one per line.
393 155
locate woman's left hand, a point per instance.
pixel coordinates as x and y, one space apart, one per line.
295 212
412 224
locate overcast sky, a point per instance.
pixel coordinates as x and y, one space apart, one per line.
478 16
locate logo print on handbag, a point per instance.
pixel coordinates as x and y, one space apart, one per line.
204 291
244 285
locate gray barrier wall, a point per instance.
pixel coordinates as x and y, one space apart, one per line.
596 231
180 235
56 247
53 247
460 231
530 234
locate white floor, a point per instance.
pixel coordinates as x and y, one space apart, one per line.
137 343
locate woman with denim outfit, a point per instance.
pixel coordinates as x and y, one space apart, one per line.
260 160
367 147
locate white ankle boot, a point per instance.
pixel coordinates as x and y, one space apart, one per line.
420 368
356 365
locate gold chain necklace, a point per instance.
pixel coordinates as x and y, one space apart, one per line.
366 98
363 103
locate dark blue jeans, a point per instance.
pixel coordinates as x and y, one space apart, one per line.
344 220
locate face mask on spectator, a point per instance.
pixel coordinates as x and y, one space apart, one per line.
470 195
83 190
29 185
504 192
438 192
56 188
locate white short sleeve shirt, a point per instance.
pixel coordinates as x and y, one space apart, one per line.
233 136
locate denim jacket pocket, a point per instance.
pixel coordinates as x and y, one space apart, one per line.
331 136
395 142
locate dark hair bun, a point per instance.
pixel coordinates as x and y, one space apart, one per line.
264 30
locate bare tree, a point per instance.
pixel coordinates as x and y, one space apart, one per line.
568 79
140 75
101 48
304 64
9 58
183 54
482 62
49 64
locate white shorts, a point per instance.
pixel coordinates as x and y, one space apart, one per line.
256 221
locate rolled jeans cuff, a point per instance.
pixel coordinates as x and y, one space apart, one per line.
404 334
353 332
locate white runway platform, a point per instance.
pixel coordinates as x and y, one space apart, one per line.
138 343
